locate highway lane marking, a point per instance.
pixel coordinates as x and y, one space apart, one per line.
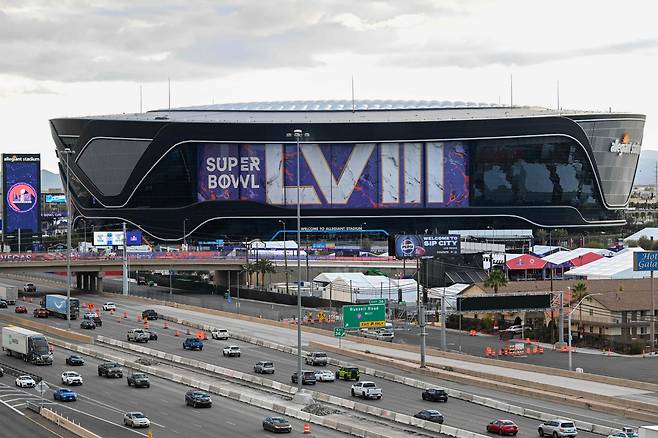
44 427
103 420
12 408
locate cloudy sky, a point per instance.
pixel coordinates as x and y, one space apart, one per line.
68 58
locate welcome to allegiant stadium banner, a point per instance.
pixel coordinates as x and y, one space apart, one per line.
364 175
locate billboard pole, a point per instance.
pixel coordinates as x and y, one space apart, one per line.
125 262
69 218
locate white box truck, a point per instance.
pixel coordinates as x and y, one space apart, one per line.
28 345
648 432
9 294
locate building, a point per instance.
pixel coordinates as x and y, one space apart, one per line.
229 171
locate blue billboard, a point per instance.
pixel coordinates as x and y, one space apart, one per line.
21 185
645 261
133 238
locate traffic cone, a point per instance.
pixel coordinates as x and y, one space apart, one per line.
187 332
125 315
165 325
139 318
205 336
176 333
307 428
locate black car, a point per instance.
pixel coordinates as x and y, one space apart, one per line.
150 314
3 304
88 324
435 394
153 336
75 360
308 377
139 380
277 425
110 369
430 415
2 372
196 398
97 319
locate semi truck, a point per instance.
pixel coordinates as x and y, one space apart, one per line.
56 305
25 344
9 294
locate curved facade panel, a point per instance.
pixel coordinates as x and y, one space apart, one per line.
234 173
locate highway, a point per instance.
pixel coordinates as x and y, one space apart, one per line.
22 423
397 397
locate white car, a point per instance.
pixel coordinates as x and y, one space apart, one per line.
25 382
109 306
219 334
89 315
71 378
325 376
231 350
136 419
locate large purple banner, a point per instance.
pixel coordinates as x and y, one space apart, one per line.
365 175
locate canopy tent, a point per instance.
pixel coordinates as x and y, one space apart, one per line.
451 293
355 286
525 262
577 257
586 258
543 250
649 233
611 268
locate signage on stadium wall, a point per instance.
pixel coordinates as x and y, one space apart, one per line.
426 245
625 146
21 184
364 175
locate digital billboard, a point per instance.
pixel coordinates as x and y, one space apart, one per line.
21 185
108 238
56 199
364 175
426 245
504 302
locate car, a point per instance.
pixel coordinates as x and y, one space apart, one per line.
75 360
65 394
430 415
139 380
366 389
29 287
231 351
153 336
89 315
379 334
196 398
137 335
40 313
109 306
348 373
71 378
192 344
136 419
308 377
3 304
2 372
87 324
503 427
317 358
221 334
25 382
625 432
557 428
20 309
264 367
277 424
435 394
92 316
150 314
110 369
324 376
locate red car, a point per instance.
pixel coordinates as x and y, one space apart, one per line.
40 313
20 309
503 427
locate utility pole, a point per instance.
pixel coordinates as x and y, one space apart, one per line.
652 317
285 256
561 331
69 218
125 262
421 313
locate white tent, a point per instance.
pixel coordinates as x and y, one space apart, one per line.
649 233
355 286
610 268
564 256
451 293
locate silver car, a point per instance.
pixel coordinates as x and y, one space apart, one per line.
136 419
558 428
264 367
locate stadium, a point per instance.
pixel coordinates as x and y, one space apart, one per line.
230 170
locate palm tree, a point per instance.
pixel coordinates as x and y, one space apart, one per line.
264 266
541 235
249 269
495 280
579 291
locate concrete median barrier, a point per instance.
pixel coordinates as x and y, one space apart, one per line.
46 329
67 424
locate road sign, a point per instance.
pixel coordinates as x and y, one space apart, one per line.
41 388
321 315
339 332
377 301
645 261
367 315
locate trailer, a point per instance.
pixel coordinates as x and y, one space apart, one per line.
27 345
56 306
9 294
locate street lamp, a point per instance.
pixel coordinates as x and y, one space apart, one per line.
285 255
569 323
298 134
361 238
184 237
68 151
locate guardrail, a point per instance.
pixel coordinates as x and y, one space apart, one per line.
15 372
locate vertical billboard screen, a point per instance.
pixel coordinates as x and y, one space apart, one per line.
364 175
21 185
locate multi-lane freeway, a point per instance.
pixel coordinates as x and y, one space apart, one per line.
397 397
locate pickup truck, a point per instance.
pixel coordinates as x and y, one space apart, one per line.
317 358
366 390
139 380
192 344
219 334
231 351
110 369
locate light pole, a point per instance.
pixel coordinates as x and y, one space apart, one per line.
361 238
285 255
569 324
68 152
298 134
184 237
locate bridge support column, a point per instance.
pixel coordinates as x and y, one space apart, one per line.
99 282
85 281
220 280
78 281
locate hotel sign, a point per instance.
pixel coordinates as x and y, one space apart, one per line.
645 261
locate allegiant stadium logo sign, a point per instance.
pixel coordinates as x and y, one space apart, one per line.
625 146
21 197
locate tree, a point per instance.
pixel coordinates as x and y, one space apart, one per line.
495 280
579 291
264 266
249 268
541 234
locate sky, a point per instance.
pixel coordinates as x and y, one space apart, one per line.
88 57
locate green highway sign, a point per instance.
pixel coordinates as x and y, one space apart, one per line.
378 301
339 332
366 315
